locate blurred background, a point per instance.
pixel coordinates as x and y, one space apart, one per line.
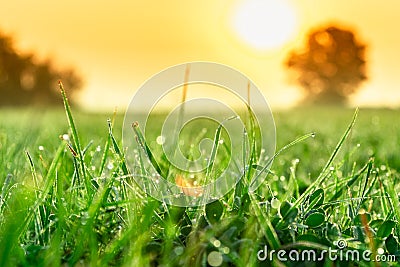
297 51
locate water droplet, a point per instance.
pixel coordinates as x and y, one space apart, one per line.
178 250
225 250
217 243
98 148
313 135
275 203
380 251
110 166
65 137
160 140
220 141
282 178
332 168
358 145
41 148
215 258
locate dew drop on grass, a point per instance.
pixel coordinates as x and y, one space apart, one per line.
179 250
217 243
98 148
41 148
160 140
275 203
313 135
225 250
221 142
380 251
332 168
110 166
65 137
215 258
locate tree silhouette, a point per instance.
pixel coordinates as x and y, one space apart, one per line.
331 67
24 81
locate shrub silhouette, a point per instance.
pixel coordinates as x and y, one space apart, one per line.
24 81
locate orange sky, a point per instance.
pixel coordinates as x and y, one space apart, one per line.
117 45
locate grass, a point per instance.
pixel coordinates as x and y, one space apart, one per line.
73 201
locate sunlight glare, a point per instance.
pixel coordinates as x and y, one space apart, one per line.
264 24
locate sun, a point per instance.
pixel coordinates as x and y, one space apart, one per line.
264 24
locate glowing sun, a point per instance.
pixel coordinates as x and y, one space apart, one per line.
264 24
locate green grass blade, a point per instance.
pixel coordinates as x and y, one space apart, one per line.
143 144
322 175
394 198
117 150
267 165
75 139
266 226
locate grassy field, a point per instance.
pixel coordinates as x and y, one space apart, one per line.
73 202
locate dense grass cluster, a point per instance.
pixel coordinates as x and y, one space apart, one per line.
67 196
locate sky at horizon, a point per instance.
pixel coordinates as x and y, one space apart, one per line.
117 46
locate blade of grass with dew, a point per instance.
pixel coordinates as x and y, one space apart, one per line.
106 146
322 175
88 235
265 168
266 226
214 149
143 144
46 187
75 138
33 170
117 150
349 183
238 194
4 192
394 199
384 200
361 193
